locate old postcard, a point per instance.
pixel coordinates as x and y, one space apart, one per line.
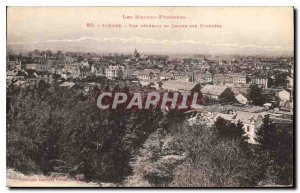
150 97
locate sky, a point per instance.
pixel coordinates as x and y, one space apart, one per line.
245 30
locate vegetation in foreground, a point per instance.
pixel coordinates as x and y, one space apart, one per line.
60 131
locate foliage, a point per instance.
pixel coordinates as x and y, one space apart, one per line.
200 159
54 129
61 130
276 147
227 130
256 95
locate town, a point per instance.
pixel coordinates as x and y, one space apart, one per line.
156 97
235 88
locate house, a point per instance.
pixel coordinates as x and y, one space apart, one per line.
286 106
260 81
223 79
227 79
11 74
165 75
46 76
115 71
218 79
240 90
20 83
200 78
46 67
239 79
251 122
73 72
68 85
268 105
283 118
185 78
178 75
218 92
146 74
84 70
203 82
205 66
146 82
241 99
284 95
135 73
32 78
290 81
208 77
33 66
174 85
152 83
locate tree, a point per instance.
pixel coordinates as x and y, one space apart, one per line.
48 53
191 156
276 146
256 95
80 58
225 129
60 55
214 162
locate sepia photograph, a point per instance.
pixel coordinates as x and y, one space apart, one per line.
150 97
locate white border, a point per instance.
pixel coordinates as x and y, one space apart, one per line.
5 3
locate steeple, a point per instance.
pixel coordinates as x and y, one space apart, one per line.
136 54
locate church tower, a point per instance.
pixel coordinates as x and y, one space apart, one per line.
136 54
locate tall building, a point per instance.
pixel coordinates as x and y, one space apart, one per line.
136 54
115 71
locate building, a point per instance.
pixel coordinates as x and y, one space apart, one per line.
218 79
178 75
227 79
286 106
135 73
208 77
284 95
150 83
283 118
73 72
84 70
68 85
165 75
115 71
204 66
251 122
241 99
45 76
174 85
200 78
10 74
260 81
239 79
218 92
32 79
136 54
46 67
33 66
20 83
146 74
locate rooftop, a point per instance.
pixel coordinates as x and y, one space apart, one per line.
179 85
215 90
